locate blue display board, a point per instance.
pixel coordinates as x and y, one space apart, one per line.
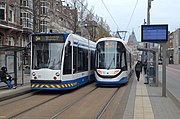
154 33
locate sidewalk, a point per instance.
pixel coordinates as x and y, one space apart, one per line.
146 102
6 93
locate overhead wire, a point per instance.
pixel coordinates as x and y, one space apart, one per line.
132 15
110 14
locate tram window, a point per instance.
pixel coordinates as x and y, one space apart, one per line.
123 62
118 60
80 59
101 57
75 59
85 55
92 60
68 61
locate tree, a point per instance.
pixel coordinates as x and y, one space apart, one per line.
103 29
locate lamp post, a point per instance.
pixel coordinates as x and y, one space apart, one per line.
148 23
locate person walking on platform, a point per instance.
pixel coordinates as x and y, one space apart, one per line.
138 69
5 77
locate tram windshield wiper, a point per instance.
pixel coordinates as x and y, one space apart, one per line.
110 63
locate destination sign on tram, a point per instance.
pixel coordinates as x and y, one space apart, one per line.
54 38
108 45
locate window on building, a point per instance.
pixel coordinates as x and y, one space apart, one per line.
11 16
25 2
43 26
44 8
2 11
30 3
2 17
26 19
10 40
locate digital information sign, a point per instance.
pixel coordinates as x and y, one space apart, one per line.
48 38
154 33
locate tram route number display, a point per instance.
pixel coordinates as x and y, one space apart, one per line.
49 38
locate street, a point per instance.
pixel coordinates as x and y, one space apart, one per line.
172 78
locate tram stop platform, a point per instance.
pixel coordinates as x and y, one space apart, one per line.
146 102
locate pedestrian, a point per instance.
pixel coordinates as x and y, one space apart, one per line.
5 77
138 69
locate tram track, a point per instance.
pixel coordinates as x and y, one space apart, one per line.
20 114
86 102
93 105
107 104
16 115
71 104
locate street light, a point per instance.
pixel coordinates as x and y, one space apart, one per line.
148 23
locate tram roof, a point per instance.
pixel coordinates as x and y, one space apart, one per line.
111 38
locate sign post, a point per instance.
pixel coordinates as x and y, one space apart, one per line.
157 34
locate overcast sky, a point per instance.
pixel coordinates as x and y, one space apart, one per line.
162 12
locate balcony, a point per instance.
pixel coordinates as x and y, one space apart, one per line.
9 25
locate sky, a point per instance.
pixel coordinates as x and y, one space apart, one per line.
161 12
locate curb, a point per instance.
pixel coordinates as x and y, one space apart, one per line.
14 92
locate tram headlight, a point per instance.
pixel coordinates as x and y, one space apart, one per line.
34 77
99 71
57 74
116 71
33 74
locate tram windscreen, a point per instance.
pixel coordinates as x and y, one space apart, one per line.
47 55
110 55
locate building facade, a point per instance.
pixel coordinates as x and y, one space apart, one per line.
52 15
174 47
10 27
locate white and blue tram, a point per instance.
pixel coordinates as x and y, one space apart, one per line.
113 62
61 61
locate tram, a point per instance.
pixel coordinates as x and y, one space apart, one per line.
61 61
113 61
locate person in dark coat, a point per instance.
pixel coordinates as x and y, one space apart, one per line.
138 69
5 77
